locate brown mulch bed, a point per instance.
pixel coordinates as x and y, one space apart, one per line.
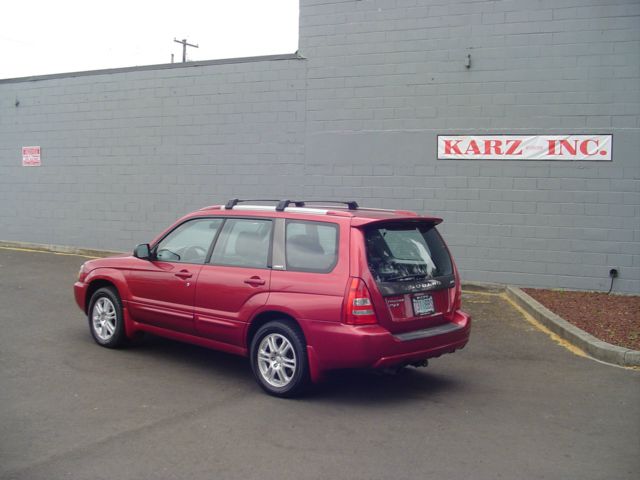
612 318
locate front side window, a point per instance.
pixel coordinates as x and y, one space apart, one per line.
405 252
189 242
243 243
311 246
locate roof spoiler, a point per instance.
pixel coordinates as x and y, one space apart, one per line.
363 221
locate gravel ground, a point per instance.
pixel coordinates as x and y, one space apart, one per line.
612 318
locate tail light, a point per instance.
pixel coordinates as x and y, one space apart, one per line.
457 290
358 309
455 297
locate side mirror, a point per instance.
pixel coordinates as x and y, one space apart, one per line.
142 251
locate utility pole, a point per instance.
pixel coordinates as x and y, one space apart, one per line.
184 47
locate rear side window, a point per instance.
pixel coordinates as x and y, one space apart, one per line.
243 243
405 252
311 246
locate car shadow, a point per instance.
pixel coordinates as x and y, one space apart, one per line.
346 386
361 387
364 387
164 349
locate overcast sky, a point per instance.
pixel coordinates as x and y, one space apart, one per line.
40 37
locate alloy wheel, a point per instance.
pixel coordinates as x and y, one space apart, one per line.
104 318
276 360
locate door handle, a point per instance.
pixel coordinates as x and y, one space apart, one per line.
255 281
183 274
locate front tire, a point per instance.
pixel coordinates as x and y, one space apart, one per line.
105 318
279 358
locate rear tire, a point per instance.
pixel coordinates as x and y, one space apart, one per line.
105 318
279 358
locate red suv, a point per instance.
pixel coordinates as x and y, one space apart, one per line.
301 290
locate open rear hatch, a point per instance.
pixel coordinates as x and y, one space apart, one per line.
413 272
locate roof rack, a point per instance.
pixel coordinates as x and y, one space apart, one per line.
351 205
235 201
282 204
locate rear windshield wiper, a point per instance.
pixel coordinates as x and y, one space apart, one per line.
402 278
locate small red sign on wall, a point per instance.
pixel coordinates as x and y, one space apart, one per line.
31 157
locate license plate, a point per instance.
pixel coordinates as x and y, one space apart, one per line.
423 305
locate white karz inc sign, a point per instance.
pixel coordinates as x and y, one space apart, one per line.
525 147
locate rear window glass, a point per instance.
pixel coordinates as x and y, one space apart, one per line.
311 246
405 252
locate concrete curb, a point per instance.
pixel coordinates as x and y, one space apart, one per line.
593 346
86 252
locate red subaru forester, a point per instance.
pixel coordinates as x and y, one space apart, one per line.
300 289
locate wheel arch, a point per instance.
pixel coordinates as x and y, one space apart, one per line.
95 286
268 316
105 277
262 318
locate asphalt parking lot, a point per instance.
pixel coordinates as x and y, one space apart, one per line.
513 404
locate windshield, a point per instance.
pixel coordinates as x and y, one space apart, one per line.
405 252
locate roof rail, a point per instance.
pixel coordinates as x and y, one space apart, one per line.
282 204
351 205
235 201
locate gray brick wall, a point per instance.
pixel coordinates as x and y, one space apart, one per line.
385 77
124 153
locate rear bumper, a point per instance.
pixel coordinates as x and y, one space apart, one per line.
337 345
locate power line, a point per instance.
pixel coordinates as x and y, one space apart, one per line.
184 44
